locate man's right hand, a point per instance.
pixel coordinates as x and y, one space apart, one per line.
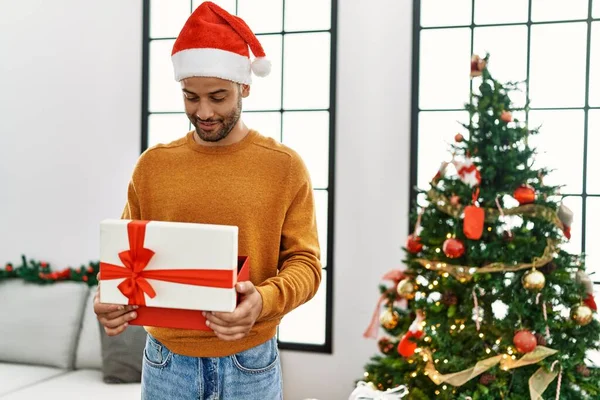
113 317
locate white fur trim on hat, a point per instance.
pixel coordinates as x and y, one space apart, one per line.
212 63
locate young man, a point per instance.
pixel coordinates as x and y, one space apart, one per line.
225 173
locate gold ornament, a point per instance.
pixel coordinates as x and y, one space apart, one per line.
389 319
582 315
406 289
533 280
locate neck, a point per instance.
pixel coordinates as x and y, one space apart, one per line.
237 134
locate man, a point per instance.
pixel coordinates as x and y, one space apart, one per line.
225 173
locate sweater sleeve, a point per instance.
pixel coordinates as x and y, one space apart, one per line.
299 266
132 208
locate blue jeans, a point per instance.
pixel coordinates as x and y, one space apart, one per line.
249 375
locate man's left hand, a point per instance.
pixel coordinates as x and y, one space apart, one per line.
236 325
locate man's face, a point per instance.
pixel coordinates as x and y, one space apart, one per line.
213 105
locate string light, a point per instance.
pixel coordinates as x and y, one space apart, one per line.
446 361
488 351
453 327
445 274
435 283
481 335
414 374
437 250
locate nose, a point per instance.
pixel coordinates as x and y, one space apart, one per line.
204 111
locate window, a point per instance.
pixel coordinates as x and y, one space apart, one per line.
299 37
552 45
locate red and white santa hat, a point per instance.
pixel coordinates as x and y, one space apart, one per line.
214 43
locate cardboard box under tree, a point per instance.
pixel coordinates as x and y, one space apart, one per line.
172 270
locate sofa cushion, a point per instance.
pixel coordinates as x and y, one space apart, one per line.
16 376
88 354
122 355
40 323
76 385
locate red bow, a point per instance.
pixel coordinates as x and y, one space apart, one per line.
137 258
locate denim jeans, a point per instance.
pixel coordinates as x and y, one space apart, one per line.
249 375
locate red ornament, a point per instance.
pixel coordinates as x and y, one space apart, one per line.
90 270
454 200
506 116
459 137
8 268
524 194
473 222
413 244
44 264
525 341
408 345
590 302
453 248
78 270
84 278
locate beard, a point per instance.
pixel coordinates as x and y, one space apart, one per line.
227 123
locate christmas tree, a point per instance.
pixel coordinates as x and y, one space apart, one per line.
489 306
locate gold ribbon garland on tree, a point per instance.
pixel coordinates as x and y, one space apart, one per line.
491 214
538 382
465 273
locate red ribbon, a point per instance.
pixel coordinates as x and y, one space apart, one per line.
137 258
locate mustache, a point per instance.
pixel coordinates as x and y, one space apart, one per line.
206 121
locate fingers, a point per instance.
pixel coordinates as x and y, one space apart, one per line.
245 287
230 338
115 331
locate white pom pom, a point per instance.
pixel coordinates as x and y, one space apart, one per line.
261 66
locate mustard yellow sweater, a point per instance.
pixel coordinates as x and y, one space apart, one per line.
257 184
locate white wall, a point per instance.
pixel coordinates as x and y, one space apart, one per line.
69 133
70 112
372 181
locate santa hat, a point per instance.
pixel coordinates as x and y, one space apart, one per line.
214 43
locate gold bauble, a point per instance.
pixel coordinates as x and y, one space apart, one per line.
389 319
534 280
582 315
406 289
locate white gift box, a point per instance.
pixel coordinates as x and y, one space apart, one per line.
197 251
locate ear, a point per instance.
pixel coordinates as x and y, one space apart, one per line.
245 91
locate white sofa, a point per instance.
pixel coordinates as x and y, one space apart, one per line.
50 344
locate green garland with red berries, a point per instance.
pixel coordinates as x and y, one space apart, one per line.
41 272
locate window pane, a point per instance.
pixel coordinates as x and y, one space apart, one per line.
436 132
559 145
592 237
228 5
507 46
165 92
307 15
265 93
596 9
445 13
444 70
594 87
306 324
593 161
574 203
164 128
558 56
510 11
262 15
167 17
267 123
321 198
306 55
308 134
558 10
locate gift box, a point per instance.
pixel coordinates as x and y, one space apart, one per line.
174 271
